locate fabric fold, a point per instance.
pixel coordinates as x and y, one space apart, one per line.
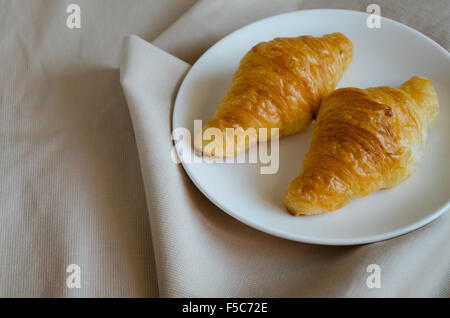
150 78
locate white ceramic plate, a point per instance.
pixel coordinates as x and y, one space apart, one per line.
389 55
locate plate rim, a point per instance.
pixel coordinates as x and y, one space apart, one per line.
296 237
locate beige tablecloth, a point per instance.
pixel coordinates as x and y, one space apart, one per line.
71 185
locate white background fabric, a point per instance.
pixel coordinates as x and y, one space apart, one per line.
71 186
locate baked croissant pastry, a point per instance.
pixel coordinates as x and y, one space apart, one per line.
364 140
279 84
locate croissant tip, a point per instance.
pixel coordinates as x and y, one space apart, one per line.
298 207
200 151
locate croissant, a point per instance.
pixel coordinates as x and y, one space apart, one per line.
364 140
279 84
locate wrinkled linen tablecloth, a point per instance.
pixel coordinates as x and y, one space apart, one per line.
75 167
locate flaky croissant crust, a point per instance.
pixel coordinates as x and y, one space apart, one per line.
364 140
280 84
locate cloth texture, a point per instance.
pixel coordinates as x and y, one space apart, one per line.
86 179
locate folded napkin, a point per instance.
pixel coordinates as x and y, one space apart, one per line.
200 251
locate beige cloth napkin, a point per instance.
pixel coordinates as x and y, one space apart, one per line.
202 252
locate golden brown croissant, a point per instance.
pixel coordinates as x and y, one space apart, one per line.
364 140
279 84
